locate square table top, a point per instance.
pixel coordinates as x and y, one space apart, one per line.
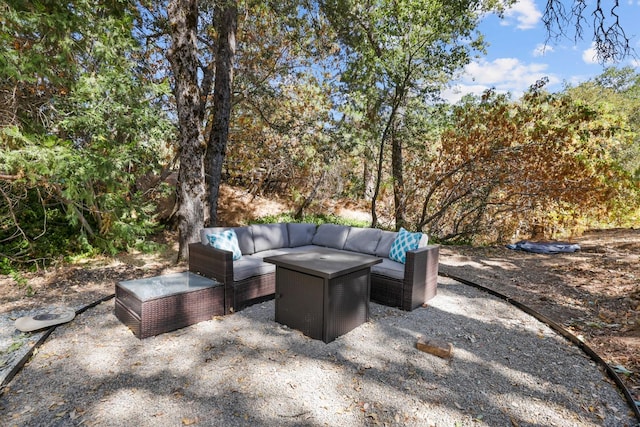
166 285
324 262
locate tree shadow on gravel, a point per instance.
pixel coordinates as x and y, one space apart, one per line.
247 370
564 287
593 293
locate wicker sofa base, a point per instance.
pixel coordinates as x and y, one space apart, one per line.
384 290
394 293
250 291
419 285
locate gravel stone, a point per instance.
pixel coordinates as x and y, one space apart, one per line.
244 369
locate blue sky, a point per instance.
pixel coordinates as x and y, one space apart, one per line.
517 56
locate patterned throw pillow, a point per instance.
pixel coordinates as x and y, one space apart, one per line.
227 241
405 241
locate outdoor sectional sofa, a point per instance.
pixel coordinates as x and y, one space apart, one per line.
249 280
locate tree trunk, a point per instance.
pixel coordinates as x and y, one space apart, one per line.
183 23
398 181
369 154
376 188
385 135
368 178
311 197
226 21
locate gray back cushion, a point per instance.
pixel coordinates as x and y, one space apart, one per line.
300 234
363 240
331 235
384 245
270 236
245 238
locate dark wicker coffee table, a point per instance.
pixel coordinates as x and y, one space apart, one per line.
323 293
160 304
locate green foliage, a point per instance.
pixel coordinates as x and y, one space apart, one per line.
44 46
79 205
311 219
506 168
399 55
79 179
617 91
320 98
282 139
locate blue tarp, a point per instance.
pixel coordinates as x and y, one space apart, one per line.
544 247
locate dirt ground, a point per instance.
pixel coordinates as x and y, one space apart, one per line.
594 293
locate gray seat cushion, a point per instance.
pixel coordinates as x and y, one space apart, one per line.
305 248
388 268
249 266
272 252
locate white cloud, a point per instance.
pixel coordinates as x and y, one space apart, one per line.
578 79
457 91
525 12
503 74
542 49
590 56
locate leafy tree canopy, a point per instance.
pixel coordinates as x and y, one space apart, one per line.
82 128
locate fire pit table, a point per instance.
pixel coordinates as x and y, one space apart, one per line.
323 293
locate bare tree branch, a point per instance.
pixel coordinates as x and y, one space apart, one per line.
611 42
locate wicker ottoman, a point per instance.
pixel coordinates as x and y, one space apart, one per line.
161 304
